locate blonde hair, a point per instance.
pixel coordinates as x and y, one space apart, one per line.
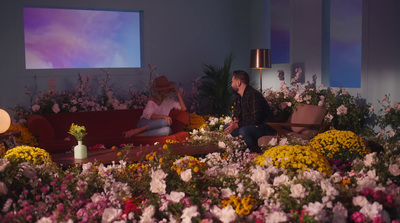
158 96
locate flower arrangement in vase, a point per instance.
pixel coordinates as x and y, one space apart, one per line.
79 132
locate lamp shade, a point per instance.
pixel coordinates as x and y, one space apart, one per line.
260 58
5 121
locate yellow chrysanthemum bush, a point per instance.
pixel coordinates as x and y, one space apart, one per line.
295 157
196 122
339 145
29 154
26 137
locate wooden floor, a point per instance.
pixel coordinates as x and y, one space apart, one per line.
137 153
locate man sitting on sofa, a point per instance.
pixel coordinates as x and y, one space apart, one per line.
155 120
251 112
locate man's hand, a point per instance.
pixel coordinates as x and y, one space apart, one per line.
232 126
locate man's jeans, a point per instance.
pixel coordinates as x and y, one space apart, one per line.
250 134
155 127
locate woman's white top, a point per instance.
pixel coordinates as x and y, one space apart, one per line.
164 109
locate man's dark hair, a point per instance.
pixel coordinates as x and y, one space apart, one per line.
242 76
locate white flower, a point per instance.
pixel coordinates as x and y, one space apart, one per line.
3 164
176 196
7 205
276 217
226 193
369 159
273 142
186 175
225 215
336 178
360 201
159 174
265 190
281 180
212 120
227 120
328 188
365 182
283 141
297 191
394 169
55 108
157 184
371 210
221 145
194 132
3 188
189 213
316 210
339 213
259 175
372 174
110 214
96 197
147 216
341 110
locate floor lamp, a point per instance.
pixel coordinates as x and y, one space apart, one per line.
260 59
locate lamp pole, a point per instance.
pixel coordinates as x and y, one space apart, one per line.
260 80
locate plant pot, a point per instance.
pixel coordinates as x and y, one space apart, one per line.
80 151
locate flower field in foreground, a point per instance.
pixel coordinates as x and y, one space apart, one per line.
231 186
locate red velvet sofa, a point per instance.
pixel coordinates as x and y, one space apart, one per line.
102 127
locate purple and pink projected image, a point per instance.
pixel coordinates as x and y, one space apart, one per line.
76 38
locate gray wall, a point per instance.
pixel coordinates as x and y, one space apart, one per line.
180 36
380 48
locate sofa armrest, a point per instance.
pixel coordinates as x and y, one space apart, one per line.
179 120
41 128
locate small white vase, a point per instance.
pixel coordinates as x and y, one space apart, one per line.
80 151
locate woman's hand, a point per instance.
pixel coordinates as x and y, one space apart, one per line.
169 120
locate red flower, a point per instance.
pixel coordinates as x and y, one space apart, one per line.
358 217
97 147
131 206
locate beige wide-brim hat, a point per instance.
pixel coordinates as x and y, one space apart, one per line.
162 83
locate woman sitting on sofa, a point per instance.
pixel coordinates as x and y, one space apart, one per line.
155 120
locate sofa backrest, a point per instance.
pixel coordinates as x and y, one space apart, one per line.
97 123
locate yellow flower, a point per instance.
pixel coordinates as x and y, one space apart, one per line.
77 131
339 145
295 157
26 137
30 154
196 121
